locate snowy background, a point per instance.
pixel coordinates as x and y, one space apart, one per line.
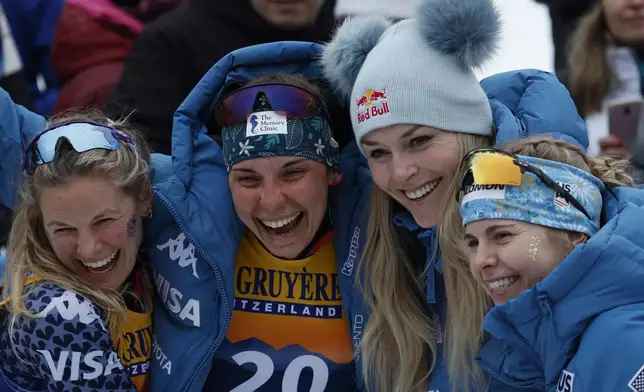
526 41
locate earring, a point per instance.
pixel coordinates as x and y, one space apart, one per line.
534 248
149 214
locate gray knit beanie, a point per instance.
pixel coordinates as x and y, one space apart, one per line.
417 71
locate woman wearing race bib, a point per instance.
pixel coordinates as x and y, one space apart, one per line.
76 314
287 318
253 246
553 237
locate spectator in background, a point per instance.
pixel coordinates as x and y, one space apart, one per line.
12 76
91 41
564 15
605 65
173 53
13 81
404 9
32 23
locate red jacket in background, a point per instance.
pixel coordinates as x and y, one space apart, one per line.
91 41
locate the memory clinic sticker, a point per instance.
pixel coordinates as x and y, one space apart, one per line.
266 123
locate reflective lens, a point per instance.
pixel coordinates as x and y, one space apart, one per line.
83 136
489 166
289 101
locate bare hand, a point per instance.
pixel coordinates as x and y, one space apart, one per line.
611 145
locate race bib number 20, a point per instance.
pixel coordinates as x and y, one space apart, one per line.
290 380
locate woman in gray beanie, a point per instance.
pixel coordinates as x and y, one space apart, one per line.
416 109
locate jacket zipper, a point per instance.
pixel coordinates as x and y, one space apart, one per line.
222 289
507 381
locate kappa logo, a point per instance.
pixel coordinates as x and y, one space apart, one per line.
637 382
565 381
69 307
347 267
185 256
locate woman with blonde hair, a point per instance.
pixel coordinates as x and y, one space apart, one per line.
417 109
552 236
250 241
77 305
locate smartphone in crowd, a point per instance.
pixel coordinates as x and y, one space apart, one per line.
624 121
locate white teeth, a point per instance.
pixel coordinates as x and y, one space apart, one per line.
280 223
502 283
100 263
418 193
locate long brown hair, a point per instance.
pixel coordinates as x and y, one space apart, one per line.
590 74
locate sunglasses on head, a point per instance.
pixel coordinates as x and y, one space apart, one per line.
83 136
289 101
490 166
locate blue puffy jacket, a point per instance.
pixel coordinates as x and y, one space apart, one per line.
581 328
530 102
194 211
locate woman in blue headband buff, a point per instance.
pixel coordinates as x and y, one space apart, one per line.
559 251
416 109
248 242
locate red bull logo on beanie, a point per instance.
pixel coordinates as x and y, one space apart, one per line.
373 103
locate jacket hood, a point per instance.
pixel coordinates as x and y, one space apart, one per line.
237 67
531 102
240 14
538 331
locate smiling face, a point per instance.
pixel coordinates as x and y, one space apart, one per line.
414 165
94 228
625 19
282 200
507 256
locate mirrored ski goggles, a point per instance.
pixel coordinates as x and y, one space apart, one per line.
490 166
286 100
83 136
